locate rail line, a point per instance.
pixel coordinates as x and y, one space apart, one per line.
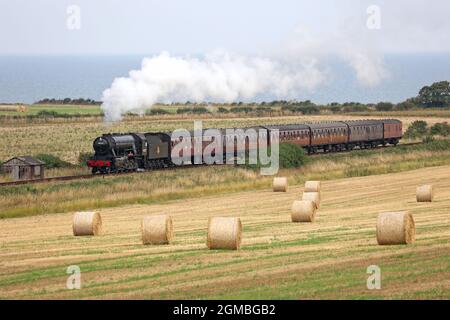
91 176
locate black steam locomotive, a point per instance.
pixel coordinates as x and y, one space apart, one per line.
136 151
118 152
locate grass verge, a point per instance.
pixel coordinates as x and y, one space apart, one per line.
162 186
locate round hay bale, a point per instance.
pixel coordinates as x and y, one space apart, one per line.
303 211
312 186
424 193
87 224
224 233
312 196
157 229
280 184
395 228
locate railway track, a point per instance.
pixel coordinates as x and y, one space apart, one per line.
91 176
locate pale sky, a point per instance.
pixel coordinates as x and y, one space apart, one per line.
200 26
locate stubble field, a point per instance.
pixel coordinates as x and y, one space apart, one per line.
278 259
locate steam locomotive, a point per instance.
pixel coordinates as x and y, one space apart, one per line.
118 152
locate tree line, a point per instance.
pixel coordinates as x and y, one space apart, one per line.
79 101
436 95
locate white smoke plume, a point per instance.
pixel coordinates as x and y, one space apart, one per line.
225 77
357 49
369 68
220 76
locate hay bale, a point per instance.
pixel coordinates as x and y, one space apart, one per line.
312 186
303 211
157 229
280 184
424 193
395 228
312 196
87 224
224 233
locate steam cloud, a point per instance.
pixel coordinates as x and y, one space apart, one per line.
225 77
219 76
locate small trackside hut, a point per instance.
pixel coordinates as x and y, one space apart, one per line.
24 168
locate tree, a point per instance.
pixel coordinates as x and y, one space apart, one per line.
440 129
405 105
384 106
435 96
417 129
222 110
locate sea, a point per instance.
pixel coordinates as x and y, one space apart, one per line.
29 78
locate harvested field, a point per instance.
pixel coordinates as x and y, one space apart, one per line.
278 259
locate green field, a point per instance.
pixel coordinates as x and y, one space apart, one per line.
95 110
59 109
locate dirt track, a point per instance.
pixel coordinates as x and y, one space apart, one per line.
279 259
